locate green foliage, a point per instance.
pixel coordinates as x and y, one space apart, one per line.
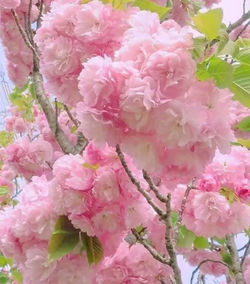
217 69
5 261
244 124
240 84
3 190
4 278
16 275
199 45
23 99
93 248
244 143
209 23
63 240
227 257
201 243
185 238
152 7
6 138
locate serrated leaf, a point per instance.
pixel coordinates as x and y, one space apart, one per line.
17 275
6 138
201 243
243 56
5 261
3 190
215 68
240 85
199 44
152 7
93 247
185 238
209 23
63 240
244 124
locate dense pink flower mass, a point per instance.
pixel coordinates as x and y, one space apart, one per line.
117 76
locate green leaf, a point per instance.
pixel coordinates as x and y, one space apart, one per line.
6 138
17 276
201 243
230 48
199 44
227 258
3 190
243 56
73 129
223 39
209 23
63 240
240 85
93 248
243 142
215 68
221 241
5 261
153 7
174 218
185 238
4 278
244 124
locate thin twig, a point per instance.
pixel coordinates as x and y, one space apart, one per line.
156 255
244 7
246 252
204 261
39 19
71 116
243 29
30 32
239 22
153 187
137 183
22 32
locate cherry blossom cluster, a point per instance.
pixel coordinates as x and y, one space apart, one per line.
220 205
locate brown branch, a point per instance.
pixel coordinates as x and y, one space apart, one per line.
148 179
71 116
137 183
246 252
51 116
243 29
239 22
30 32
23 33
156 255
236 267
204 261
170 244
39 19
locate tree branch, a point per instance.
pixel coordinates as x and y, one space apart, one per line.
39 19
236 267
153 187
246 252
204 261
137 183
169 242
23 33
71 116
239 22
156 255
243 29
50 114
